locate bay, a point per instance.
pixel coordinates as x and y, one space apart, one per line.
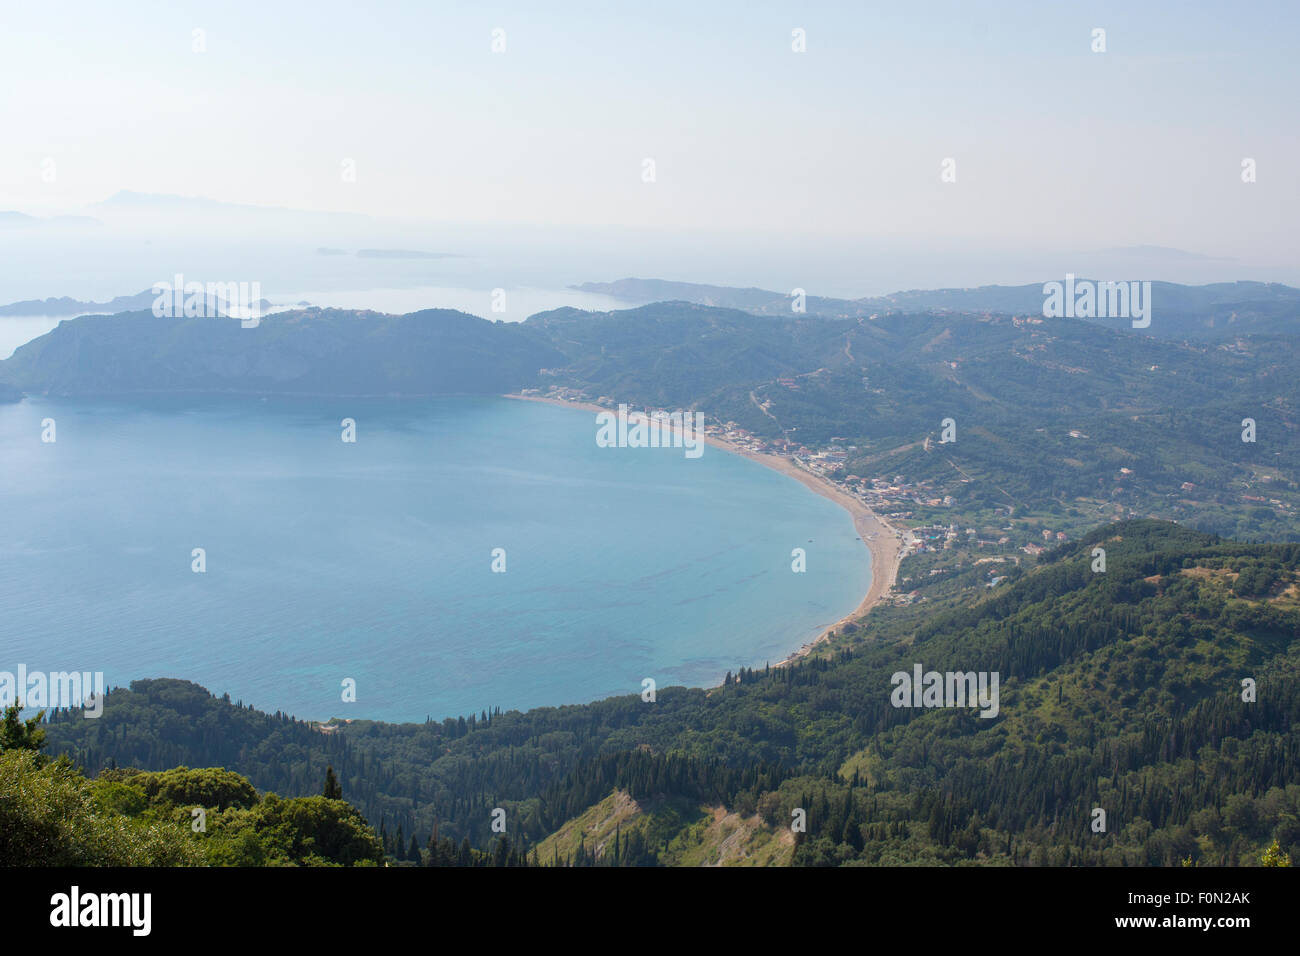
372 561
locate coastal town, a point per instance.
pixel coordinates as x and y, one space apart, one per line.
930 540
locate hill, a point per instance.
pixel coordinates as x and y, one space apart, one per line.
141 301
51 815
1058 424
1218 311
312 351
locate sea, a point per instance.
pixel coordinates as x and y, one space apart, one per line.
461 554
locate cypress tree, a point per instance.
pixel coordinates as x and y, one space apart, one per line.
333 791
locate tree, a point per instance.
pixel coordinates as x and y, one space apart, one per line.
212 787
18 734
1274 856
51 815
314 830
332 789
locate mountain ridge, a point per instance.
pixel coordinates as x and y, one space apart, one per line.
1215 310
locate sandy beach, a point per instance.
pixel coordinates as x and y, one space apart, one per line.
883 541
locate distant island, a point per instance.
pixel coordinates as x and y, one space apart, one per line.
122 303
401 254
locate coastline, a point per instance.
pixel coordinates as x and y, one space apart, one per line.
884 542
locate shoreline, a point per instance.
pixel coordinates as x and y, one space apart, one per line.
883 541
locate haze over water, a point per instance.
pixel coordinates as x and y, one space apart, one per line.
328 560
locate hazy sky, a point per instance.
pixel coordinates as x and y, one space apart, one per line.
1052 142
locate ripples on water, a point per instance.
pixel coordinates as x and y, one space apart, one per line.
372 560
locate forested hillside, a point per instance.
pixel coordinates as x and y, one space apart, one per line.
1120 691
1055 420
306 352
51 815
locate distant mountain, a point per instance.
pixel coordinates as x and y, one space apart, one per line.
68 306
122 303
1217 311
127 197
725 297
299 352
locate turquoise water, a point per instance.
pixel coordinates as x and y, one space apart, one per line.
373 561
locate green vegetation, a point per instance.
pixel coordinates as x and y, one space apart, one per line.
1059 424
1120 690
1274 856
311 352
51 815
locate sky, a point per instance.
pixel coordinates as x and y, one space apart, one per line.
1052 143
